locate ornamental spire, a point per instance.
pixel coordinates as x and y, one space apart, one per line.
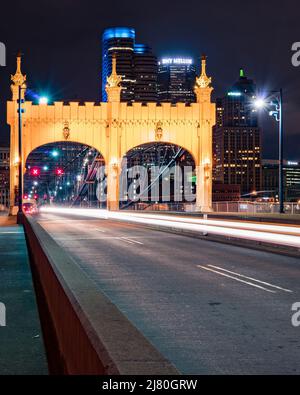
202 87
203 81
114 79
18 79
113 85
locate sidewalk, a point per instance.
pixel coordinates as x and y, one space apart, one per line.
21 342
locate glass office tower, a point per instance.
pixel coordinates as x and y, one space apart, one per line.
135 63
176 80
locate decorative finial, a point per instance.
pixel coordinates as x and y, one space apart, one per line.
18 78
113 86
114 79
203 81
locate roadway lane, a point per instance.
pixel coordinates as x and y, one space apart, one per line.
285 235
210 308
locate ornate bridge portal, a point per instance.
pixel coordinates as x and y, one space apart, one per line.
114 128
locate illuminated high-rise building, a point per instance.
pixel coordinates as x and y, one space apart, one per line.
176 80
145 71
291 178
237 138
119 41
135 63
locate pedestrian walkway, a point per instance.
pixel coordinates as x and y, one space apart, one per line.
21 342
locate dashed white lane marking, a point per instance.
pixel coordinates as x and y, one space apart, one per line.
125 240
251 278
99 230
236 279
130 241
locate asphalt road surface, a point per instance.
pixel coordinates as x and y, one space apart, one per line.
210 308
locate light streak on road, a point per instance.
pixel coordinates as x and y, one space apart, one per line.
228 224
275 234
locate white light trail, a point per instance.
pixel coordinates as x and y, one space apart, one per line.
275 234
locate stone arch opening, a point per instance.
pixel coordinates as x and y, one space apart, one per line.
157 175
63 173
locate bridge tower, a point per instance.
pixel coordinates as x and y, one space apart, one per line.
114 128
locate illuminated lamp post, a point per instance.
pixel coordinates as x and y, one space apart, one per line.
20 196
276 102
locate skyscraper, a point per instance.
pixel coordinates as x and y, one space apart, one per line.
237 138
145 71
135 63
291 178
119 40
176 80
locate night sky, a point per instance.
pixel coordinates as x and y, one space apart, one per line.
61 43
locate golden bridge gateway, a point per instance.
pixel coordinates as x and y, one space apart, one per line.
114 128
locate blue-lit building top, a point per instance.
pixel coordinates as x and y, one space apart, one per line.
135 63
119 41
118 32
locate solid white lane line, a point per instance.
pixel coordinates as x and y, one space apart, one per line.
251 278
236 279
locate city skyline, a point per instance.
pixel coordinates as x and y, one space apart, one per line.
55 63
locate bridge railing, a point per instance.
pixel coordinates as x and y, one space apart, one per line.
255 207
247 207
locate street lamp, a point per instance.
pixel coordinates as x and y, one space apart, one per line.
43 100
277 113
20 197
54 153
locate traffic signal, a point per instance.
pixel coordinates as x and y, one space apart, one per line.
59 171
35 171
